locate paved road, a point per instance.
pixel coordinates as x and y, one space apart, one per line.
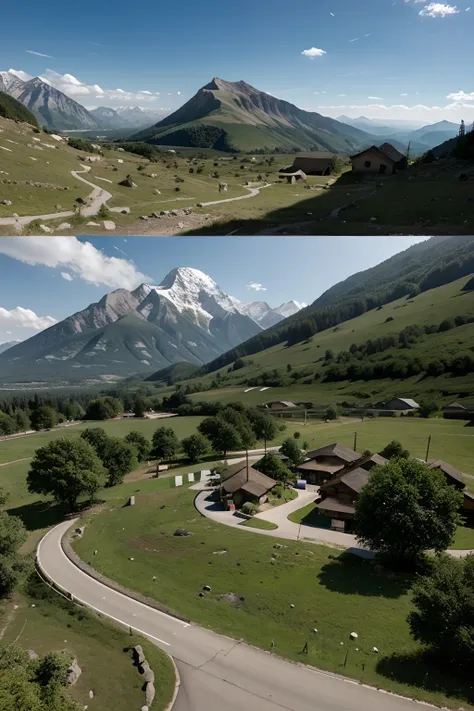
97 197
216 672
289 530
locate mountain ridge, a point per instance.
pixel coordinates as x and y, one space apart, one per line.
185 318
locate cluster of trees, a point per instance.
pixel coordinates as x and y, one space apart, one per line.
83 144
419 268
34 684
237 427
70 469
404 511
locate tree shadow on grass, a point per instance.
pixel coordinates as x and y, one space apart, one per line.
420 670
351 575
44 514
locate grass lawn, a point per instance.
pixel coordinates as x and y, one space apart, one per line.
20 447
55 624
337 594
464 539
259 523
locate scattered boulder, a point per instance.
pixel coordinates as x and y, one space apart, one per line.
157 192
138 654
143 217
125 211
128 183
148 673
32 654
181 225
5 202
15 215
91 694
108 225
93 224
156 215
64 226
45 228
207 588
230 597
182 532
149 693
218 552
73 673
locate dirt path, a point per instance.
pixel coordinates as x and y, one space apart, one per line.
253 192
97 197
15 461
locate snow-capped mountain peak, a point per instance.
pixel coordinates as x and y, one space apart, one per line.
290 308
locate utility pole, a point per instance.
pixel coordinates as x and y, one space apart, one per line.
305 418
355 441
428 449
408 152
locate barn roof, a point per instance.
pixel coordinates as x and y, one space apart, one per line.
247 479
450 471
334 450
354 480
391 152
335 506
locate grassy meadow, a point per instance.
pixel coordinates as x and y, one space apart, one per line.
266 582
41 620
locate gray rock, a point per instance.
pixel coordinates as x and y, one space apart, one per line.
148 673
32 654
5 202
149 694
73 673
125 210
128 183
138 653
45 228
143 217
93 224
182 532
64 226
207 588
109 225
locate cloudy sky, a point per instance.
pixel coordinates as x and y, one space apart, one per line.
404 59
45 279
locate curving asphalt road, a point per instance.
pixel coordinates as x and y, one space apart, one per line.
216 672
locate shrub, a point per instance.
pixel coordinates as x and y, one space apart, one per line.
249 508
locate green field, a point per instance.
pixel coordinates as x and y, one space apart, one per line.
335 594
428 308
54 624
259 523
20 447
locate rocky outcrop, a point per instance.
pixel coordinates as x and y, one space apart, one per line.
73 673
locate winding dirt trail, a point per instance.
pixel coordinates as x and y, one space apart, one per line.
97 197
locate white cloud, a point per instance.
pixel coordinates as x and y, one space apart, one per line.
401 95
20 74
67 276
20 317
454 111
81 258
255 286
38 54
80 90
438 9
375 98
313 52
461 96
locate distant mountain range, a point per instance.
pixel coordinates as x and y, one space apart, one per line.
186 318
421 137
52 108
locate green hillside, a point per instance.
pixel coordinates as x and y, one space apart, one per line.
414 347
12 109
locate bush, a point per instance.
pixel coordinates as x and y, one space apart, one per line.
249 508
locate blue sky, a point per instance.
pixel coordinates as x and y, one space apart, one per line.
413 56
45 279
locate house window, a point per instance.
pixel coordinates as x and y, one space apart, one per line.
368 163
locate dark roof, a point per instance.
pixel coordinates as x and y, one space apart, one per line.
322 155
391 152
457 405
314 466
286 403
289 172
377 151
468 495
249 480
450 471
334 450
355 480
376 459
333 505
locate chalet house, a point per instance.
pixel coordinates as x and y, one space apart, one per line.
244 483
325 463
379 160
315 163
458 411
338 496
401 403
455 478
